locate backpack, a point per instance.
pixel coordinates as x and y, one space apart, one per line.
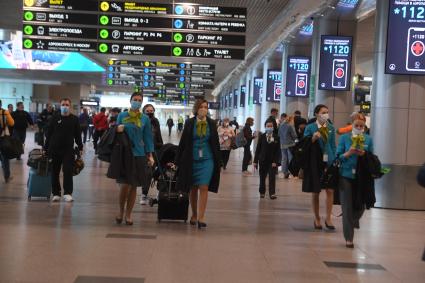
240 140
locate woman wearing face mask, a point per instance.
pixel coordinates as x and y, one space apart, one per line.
249 136
225 134
149 111
199 161
267 154
138 129
350 147
322 133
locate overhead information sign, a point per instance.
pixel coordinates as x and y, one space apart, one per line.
135 28
243 96
274 85
235 98
335 62
258 91
214 105
406 38
298 76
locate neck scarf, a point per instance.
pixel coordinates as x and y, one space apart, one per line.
201 128
134 117
324 133
358 141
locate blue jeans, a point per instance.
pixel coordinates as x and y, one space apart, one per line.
6 166
286 158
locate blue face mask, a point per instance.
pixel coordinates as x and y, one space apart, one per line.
269 130
135 105
64 109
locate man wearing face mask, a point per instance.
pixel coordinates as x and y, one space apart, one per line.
63 131
113 115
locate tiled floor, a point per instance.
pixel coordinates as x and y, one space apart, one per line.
247 239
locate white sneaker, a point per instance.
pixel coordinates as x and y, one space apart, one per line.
281 176
246 173
144 200
56 198
68 198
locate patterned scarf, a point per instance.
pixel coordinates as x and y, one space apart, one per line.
201 128
134 117
358 141
324 133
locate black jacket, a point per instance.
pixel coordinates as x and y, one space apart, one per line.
364 193
62 132
184 157
106 144
156 133
121 166
275 127
268 153
22 119
312 165
421 176
247 132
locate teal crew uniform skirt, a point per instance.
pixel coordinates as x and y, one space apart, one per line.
202 166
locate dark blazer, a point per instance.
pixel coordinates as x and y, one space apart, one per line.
312 165
267 153
184 157
121 165
106 144
364 193
156 133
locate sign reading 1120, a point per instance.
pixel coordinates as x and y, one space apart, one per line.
406 38
298 76
335 62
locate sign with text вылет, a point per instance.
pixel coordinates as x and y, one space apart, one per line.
406 38
298 76
335 63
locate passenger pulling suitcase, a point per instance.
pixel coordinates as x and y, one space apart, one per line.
172 204
39 186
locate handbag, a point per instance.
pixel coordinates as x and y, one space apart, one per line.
10 147
330 178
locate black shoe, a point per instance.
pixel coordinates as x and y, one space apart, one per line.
273 197
262 195
129 222
287 176
201 225
193 222
317 227
330 227
349 246
118 220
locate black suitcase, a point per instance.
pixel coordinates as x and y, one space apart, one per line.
172 204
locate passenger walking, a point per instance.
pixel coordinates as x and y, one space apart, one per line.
100 122
84 123
149 110
91 126
137 127
170 125
113 116
225 135
321 152
267 156
288 137
63 131
300 123
199 161
249 136
6 121
10 109
45 116
180 123
274 112
352 147
22 120
234 123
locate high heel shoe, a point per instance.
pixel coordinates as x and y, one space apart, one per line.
118 220
201 225
317 227
349 246
330 227
129 222
193 222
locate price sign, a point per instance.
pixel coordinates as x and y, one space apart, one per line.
298 76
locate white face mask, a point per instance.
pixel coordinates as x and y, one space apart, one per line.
323 118
357 132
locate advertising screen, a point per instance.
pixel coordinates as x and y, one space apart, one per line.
214 105
243 96
274 85
235 98
335 63
258 91
406 38
298 76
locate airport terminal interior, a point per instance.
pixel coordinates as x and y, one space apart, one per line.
322 100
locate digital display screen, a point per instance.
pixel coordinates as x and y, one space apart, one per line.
298 76
235 98
335 63
243 95
406 38
214 105
274 85
13 56
258 91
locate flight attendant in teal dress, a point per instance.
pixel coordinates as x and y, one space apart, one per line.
199 161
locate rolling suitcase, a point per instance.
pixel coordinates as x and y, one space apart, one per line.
172 204
39 186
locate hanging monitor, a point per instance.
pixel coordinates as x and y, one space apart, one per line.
298 76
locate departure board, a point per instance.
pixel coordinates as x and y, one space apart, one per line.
135 28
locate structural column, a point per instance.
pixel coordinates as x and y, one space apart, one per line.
283 98
265 105
398 131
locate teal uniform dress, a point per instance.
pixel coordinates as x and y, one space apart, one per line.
203 161
328 148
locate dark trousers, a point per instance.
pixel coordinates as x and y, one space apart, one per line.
84 131
5 164
267 169
246 157
64 161
91 130
350 216
21 135
169 130
149 177
96 136
225 155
